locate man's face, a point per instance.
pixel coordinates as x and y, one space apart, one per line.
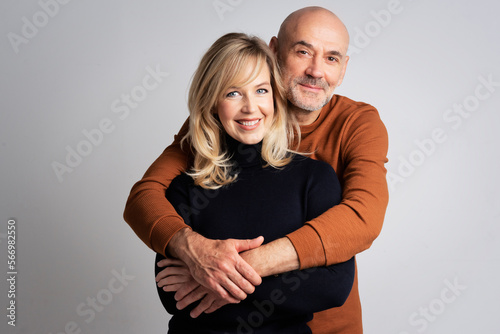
313 59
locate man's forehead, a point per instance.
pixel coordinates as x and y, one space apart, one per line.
318 29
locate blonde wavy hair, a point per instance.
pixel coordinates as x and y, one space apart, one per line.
222 67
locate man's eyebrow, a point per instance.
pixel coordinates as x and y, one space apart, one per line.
310 46
304 43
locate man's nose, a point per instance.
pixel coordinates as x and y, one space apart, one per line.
315 68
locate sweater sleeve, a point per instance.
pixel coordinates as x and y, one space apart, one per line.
351 227
147 210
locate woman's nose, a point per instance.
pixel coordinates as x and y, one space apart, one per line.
249 105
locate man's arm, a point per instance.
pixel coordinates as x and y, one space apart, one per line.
345 229
312 294
215 264
350 227
147 211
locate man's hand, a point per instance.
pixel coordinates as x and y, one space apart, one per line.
176 277
217 264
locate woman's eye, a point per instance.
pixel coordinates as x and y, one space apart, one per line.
232 94
262 91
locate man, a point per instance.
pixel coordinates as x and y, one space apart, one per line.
311 47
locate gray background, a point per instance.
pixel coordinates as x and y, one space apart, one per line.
69 76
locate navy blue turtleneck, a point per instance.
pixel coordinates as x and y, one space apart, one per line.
272 203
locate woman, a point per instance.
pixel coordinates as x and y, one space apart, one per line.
252 185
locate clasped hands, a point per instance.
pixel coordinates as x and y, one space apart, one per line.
213 272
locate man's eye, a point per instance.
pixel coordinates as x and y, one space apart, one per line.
332 59
303 52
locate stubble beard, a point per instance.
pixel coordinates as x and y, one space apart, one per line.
297 98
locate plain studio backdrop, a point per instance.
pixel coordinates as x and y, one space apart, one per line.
93 91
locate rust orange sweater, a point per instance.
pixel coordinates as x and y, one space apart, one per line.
349 136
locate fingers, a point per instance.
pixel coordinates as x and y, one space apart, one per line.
243 278
237 291
247 244
208 304
186 289
248 274
205 303
220 291
237 285
228 291
170 262
195 295
172 271
172 287
173 280
217 265
217 304
231 285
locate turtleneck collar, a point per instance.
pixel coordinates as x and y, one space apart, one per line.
244 155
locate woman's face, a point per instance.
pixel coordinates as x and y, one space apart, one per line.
246 112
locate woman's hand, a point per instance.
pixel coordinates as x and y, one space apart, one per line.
176 277
173 276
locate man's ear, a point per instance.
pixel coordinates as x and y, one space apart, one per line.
273 44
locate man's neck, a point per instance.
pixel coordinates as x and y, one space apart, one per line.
305 117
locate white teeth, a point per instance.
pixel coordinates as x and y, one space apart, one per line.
249 123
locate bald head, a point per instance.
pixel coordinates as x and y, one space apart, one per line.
312 50
316 21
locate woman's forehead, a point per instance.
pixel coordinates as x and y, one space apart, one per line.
249 71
